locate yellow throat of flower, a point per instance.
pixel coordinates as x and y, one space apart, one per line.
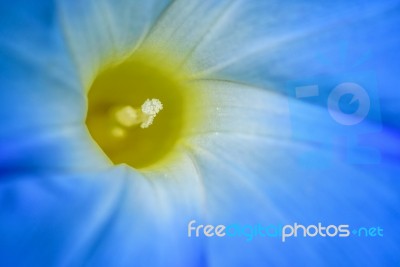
137 111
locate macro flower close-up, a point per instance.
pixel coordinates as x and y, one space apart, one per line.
208 133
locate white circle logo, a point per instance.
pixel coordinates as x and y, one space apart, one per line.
359 94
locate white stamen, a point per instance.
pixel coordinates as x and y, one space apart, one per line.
150 109
128 116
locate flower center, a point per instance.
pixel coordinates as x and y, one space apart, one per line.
136 112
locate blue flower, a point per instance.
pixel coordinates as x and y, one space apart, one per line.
258 144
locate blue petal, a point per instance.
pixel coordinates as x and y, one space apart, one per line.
98 32
267 43
114 218
253 172
242 167
183 26
271 187
42 105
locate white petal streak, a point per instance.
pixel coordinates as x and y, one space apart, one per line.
184 25
222 176
102 32
181 181
240 108
233 41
